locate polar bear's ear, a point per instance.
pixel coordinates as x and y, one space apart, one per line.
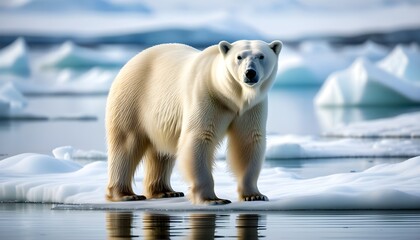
276 46
224 47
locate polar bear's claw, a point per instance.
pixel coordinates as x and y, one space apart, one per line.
170 194
217 201
255 198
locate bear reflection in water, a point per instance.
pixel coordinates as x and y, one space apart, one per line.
123 225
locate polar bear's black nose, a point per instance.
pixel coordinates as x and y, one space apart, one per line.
250 74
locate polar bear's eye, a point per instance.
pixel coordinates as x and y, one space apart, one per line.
261 57
239 57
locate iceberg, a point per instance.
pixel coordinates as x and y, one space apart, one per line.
11 100
70 55
365 84
309 65
403 62
94 81
369 50
14 59
34 177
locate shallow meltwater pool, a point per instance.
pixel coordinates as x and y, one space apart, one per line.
38 221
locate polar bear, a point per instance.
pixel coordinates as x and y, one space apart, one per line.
172 101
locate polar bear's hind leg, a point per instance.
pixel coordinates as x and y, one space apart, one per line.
157 175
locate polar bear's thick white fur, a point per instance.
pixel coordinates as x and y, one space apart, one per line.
173 101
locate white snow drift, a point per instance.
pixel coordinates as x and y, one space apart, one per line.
41 178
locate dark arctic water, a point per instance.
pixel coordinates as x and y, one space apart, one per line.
37 221
290 112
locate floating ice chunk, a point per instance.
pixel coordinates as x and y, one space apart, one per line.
385 186
14 58
11 100
309 66
69 55
69 152
403 62
369 50
293 70
406 125
365 84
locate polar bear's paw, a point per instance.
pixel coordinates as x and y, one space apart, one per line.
170 194
216 201
132 198
255 197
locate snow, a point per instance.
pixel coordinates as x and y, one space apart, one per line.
42 178
11 100
364 83
403 126
69 152
14 58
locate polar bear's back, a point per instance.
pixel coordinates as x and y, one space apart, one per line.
154 79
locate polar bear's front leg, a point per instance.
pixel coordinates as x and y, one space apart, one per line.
246 151
197 157
203 129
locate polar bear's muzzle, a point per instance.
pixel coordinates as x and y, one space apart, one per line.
251 76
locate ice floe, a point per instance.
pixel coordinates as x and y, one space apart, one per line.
14 58
363 83
403 126
42 178
11 100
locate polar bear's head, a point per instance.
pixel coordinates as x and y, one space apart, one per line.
251 63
